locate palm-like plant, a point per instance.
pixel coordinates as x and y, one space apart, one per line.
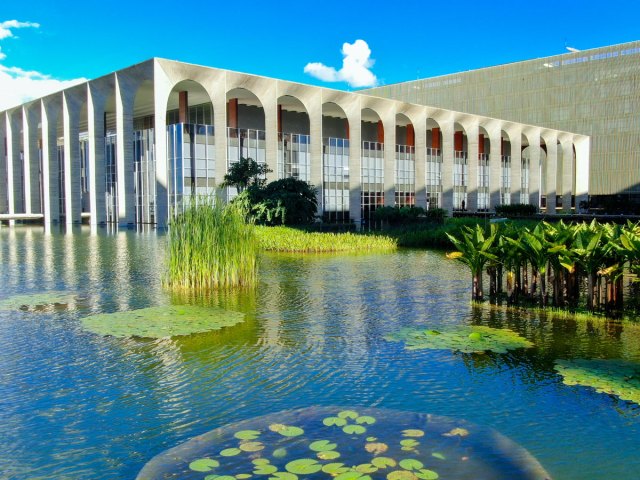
474 250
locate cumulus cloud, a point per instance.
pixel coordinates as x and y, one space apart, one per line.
355 69
18 85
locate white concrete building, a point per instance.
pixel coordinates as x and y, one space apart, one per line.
127 147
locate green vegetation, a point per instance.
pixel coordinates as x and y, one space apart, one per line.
549 263
288 201
37 302
395 216
472 339
615 377
516 210
245 173
211 246
286 239
160 322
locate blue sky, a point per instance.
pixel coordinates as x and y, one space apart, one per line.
407 40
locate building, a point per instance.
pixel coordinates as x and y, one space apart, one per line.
592 92
127 148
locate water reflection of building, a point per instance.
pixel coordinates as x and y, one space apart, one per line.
130 146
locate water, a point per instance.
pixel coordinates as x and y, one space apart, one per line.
74 405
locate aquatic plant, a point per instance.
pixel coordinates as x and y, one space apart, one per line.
396 446
211 246
471 339
36 302
160 322
286 239
615 377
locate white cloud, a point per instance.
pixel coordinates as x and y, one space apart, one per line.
355 69
18 85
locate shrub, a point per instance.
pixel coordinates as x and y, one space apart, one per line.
288 201
516 210
398 215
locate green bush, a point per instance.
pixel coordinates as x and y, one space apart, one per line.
398 215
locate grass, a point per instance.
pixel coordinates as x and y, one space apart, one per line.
286 239
210 247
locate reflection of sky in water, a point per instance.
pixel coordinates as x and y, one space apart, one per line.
74 405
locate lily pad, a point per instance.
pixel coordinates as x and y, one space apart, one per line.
401 475
267 469
283 476
466 339
384 462
328 455
286 430
614 377
412 432
426 474
354 429
251 446
376 448
204 465
230 452
337 421
365 420
303 466
160 322
280 453
322 446
335 468
353 475
247 434
35 302
348 414
411 464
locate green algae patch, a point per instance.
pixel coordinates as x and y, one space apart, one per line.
615 377
448 448
161 322
37 302
471 339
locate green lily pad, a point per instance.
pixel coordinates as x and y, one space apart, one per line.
348 414
412 432
365 420
438 456
411 464
279 453
230 452
247 434
286 430
426 474
461 339
221 477
366 468
337 421
204 465
265 469
614 377
34 302
328 455
261 461
401 475
303 466
243 476
251 446
283 476
383 462
409 442
322 446
160 322
353 429
352 475
335 468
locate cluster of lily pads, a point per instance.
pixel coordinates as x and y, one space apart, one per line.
615 377
346 445
465 339
37 302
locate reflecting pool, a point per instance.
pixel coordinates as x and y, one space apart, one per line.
77 405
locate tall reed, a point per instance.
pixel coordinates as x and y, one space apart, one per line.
211 246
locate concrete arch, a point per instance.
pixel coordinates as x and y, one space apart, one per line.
433 134
245 110
405 130
372 126
293 115
335 122
188 101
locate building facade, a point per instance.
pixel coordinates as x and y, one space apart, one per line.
132 146
592 92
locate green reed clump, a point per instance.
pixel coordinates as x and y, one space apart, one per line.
285 239
211 246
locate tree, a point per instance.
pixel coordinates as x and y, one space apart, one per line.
245 173
288 201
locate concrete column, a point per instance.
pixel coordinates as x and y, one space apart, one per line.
96 130
534 168
10 146
515 142
315 132
473 159
355 163
271 132
447 129
124 152
421 156
71 128
26 160
50 172
495 165
583 148
34 152
551 142
568 174
389 123
4 181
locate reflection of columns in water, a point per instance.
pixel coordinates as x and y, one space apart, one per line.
48 270
13 249
94 266
69 261
122 271
28 242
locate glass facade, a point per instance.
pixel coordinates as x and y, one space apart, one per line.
505 180
372 180
191 163
460 180
111 178
335 191
405 172
244 143
483 182
84 172
294 156
433 181
144 175
61 189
